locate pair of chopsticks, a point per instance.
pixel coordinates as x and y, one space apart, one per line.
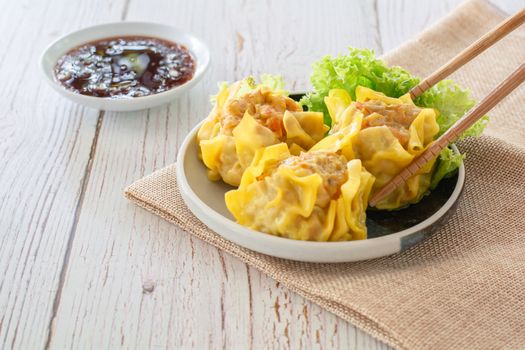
510 83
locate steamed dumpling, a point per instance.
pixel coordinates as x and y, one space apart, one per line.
386 134
246 118
317 196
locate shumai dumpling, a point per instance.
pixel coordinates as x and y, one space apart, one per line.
247 117
316 196
386 134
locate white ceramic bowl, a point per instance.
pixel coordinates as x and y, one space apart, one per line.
206 200
62 45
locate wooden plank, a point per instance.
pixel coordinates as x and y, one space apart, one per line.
135 281
45 147
130 279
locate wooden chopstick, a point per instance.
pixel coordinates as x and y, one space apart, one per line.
470 52
493 98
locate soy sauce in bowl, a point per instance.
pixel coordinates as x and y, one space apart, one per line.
125 67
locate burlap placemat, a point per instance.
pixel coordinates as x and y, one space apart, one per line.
462 288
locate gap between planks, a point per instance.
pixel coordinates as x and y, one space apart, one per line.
78 209
71 237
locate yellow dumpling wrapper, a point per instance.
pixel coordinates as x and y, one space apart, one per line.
265 158
336 102
211 126
377 147
219 156
304 128
381 153
249 136
355 199
288 201
241 123
295 149
342 141
422 131
363 94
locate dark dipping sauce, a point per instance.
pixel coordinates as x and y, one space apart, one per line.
125 67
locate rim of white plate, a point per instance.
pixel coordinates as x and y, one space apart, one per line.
265 243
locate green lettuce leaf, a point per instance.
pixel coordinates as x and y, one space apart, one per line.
273 82
446 166
452 102
361 67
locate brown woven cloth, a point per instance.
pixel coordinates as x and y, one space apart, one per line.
465 286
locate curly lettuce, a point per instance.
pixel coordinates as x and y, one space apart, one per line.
447 166
452 102
272 82
361 67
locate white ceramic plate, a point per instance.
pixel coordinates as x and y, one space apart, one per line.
206 200
62 45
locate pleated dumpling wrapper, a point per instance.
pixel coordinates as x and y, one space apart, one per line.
315 196
386 134
247 117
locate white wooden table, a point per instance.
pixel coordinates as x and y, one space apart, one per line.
81 266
